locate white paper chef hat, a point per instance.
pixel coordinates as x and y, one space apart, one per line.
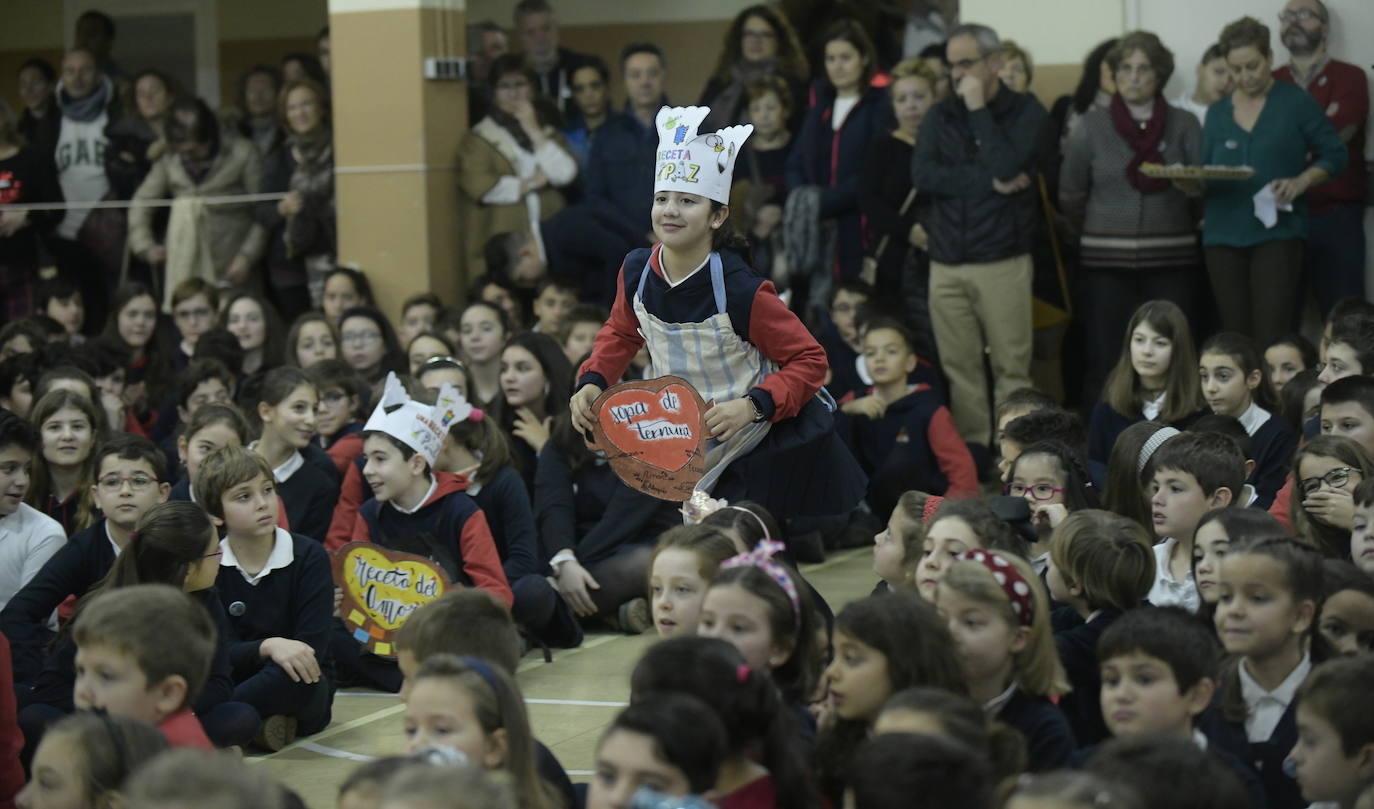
419 426
695 163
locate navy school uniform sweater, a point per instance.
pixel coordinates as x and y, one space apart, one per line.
1077 646
318 458
1271 448
506 503
592 512
310 496
1106 424
914 445
76 566
1049 739
448 528
296 602
1265 758
55 682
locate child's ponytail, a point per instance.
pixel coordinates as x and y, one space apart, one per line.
169 539
487 442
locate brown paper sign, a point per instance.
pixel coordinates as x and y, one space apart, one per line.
381 588
654 433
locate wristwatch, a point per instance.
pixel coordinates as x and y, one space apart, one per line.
758 411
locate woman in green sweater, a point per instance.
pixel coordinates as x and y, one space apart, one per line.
1273 127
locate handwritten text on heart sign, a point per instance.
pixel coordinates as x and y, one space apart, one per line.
391 609
656 429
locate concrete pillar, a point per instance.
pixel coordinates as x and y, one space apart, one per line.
396 138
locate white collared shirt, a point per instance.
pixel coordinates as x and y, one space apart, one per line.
1264 709
1151 409
1168 591
994 706
288 467
1200 739
283 553
1253 418
433 484
113 545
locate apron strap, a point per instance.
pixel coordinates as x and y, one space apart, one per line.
717 280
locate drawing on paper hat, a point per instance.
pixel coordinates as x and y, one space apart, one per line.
419 426
692 162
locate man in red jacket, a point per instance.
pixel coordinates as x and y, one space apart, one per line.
1335 254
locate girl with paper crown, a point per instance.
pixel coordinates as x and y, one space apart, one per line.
709 318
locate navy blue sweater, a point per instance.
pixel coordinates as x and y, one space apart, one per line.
1271 448
506 502
295 602
310 496
1078 653
1254 788
76 566
1265 758
593 513
1049 739
1106 424
619 173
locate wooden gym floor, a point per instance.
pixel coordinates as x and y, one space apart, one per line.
570 700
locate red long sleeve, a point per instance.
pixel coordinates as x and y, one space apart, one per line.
617 341
1281 508
782 338
952 454
351 497
481 561
11 738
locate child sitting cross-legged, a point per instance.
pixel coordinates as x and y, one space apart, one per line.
1157 678
144 652
279 592
902 434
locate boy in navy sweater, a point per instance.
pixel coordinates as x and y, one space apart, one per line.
901 434
279 592
1157 679
130 479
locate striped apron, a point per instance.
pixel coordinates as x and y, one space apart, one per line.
712 358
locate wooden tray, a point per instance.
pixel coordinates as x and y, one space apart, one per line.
1178 171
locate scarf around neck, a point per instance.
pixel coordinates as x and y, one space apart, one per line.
1143 140
85 109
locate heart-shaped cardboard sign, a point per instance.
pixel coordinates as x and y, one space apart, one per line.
653 431
381 588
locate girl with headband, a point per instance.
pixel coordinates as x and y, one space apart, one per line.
473 707
763 766
755 604
999 617
706 316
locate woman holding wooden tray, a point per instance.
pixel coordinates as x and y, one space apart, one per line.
1255 266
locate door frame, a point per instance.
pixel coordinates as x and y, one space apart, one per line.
205 16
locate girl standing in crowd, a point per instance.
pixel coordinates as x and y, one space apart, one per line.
255 324
312 339
760 43
762 768
483 329
844 119
308 207
513 162
1326 471
475 708
1137 234
1273 127
369 344
1155 378
883 644
685 562
706 317
999 617
71 427
344 288
891 206
1235 383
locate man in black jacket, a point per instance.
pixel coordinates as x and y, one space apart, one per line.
975 156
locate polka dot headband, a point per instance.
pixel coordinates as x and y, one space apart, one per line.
761 557
1018 590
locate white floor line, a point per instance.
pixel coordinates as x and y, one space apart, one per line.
334 752
588 702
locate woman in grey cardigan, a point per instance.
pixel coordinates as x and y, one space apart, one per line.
1139 235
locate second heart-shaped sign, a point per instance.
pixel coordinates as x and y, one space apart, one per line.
653 432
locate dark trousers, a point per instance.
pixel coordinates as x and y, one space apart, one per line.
1255 287
273 693
1334 258
543 612
1108 298
623 576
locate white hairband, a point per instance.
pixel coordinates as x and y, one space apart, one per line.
1152 445
762 525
